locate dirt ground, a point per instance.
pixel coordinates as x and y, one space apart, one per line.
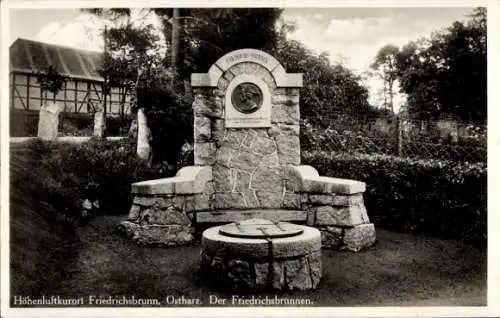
400 270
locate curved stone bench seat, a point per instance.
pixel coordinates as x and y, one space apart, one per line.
188 180
306 179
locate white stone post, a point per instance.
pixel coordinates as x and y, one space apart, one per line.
143 136
48 122
99 124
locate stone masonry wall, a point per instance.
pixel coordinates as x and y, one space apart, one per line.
247 164
170 219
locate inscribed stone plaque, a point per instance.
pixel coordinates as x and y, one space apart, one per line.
247 55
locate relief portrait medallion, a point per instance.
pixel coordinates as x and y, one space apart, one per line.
247 98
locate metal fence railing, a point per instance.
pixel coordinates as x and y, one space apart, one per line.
347 133
444 139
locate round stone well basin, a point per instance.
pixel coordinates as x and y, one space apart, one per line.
261 255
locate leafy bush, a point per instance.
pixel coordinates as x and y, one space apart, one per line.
118 126
59 172
423 196
75 127
82 124
170 119
327 87
114 167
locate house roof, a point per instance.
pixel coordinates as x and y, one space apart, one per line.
28 56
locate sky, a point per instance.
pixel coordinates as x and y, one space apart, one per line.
351 36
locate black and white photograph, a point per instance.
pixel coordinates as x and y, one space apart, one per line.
163 158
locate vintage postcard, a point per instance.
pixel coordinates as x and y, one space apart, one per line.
253 159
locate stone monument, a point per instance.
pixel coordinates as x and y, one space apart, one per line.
247 164
99 123
48 123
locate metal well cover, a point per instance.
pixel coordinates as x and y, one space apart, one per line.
261 228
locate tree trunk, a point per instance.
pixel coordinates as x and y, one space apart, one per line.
187 87
174 59
122 110
391 97
385 94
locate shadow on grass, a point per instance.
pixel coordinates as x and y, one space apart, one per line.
400 270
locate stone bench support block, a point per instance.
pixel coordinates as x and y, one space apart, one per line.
161 211
351 239
341 216
158 235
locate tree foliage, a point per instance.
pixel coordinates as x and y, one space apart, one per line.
204 35
51 80
328 89
384 66
215 32
446 74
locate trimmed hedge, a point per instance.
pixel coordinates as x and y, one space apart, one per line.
420 196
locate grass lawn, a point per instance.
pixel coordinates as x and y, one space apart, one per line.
400 270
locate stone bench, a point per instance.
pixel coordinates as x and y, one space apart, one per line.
165 211
306 179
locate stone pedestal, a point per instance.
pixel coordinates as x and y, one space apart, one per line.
247 163
255 264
